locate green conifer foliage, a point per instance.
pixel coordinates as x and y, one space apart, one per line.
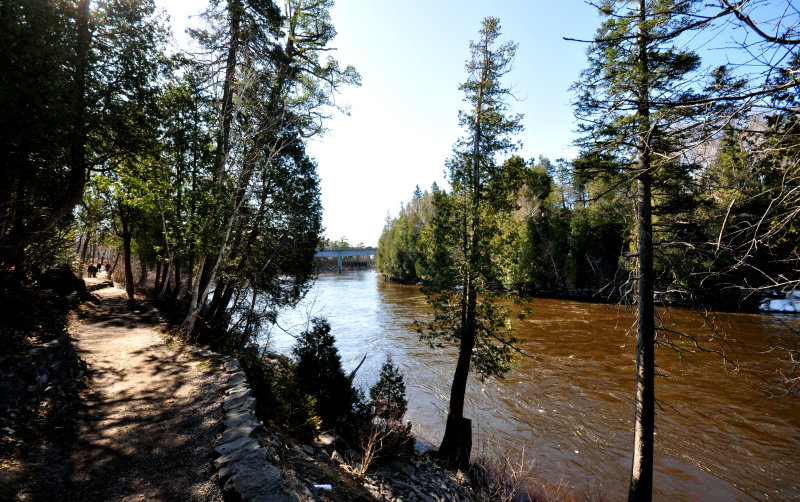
319 372
462 277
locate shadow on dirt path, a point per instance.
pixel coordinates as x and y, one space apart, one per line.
148 418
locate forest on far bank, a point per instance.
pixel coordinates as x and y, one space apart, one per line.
572 230
716 146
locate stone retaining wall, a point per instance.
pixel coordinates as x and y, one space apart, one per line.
100 285
246 470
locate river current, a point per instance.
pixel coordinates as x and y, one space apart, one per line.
568 409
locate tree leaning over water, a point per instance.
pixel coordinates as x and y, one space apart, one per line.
461 278
277 85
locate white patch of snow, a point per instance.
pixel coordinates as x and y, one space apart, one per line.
790 303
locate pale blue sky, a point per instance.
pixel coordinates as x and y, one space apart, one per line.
404 117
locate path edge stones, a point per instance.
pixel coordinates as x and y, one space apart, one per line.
245 468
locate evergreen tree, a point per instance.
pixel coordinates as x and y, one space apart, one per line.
42 105
79 87
319 372
461 276
628 97
182 180
381 430
269 215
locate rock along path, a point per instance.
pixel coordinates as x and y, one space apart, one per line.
150 413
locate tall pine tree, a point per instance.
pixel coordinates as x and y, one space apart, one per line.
629 101
461 277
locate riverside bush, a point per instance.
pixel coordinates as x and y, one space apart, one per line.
281 401
303 394
319 373
381 431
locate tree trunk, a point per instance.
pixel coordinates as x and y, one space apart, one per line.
215 316
157 280
199 293
114 266
213 306
143 277
235 8
126 250
205 278
248 329
641 485
85 248
176 278
191 316
167 277
224 292
189 277
457 441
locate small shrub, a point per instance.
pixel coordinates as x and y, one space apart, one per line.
382 431
388 395
319 373
504 480
280 401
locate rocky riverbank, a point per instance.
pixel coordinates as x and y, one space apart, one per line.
256 462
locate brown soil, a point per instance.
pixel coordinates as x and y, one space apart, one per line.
146 423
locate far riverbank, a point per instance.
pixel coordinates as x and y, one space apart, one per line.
742 302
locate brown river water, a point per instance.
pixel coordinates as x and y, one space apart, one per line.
568 409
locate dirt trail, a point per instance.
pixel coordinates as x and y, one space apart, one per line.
149 416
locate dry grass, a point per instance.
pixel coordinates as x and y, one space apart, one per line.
507 479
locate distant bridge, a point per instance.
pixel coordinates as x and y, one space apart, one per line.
340 252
